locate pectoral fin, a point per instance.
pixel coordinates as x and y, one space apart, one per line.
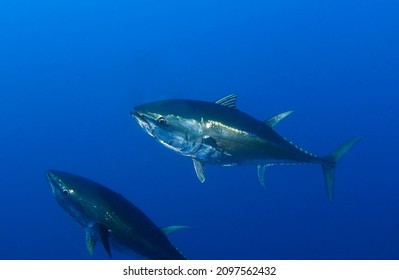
167 230
104 235
199 170
91 241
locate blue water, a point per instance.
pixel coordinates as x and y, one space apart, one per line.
71 72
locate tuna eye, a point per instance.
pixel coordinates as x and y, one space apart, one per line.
65 192
161 121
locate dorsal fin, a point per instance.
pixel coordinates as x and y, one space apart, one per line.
228 101
276 119
167 230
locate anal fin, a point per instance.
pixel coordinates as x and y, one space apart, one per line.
261 173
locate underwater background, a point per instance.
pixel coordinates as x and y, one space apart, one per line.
72 71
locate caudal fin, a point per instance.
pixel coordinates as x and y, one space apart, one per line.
331 160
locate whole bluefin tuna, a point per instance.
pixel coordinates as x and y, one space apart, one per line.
109 217
218 133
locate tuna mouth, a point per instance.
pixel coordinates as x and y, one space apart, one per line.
140 118
51 181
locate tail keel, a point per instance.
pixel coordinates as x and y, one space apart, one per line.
330 163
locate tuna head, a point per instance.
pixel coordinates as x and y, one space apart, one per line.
172 123
74 194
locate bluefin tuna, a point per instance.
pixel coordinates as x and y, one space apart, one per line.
218 133
110 218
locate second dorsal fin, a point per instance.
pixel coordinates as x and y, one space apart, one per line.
228 101
167 230
276 119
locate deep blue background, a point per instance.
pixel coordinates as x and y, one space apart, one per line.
71 72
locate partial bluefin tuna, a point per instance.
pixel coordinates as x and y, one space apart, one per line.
109 217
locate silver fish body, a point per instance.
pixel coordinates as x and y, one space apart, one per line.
220 134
